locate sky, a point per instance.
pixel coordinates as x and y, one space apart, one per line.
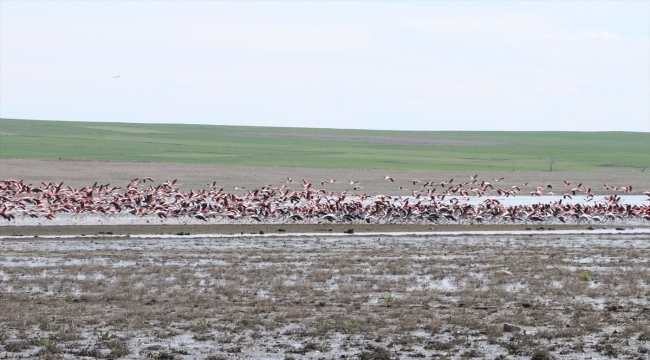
488 65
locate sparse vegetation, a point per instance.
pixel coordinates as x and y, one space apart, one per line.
389 299
281 297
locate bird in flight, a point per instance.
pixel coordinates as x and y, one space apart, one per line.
117 76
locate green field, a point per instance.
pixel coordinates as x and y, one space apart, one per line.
329 148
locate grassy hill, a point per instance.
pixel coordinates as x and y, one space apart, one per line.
332 148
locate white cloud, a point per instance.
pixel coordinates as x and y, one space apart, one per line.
386 65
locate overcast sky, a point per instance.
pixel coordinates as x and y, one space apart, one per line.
372 65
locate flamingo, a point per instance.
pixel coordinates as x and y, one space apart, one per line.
165 201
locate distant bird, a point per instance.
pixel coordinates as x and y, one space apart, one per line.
117 76
389 178
446 182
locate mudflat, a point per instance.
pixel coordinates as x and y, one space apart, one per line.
357 297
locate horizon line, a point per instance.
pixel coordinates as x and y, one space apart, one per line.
325 128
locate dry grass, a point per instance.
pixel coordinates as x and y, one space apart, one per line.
361 297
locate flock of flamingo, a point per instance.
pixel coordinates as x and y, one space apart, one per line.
445 202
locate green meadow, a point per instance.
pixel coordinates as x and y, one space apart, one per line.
328 148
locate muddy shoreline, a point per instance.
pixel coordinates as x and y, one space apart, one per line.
245 229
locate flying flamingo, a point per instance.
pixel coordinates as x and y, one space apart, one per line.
166 201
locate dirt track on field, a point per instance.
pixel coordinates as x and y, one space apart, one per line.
81 173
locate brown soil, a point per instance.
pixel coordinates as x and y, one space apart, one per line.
84 173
